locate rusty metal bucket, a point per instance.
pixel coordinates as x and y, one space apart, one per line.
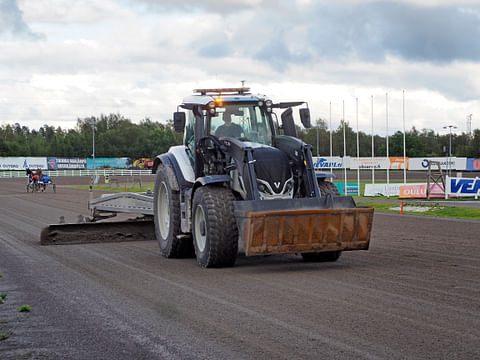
303 225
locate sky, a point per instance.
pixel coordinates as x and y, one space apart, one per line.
61 60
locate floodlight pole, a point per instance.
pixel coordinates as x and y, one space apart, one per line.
331 147
93 123
450 127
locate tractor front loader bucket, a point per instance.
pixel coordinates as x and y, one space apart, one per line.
331 223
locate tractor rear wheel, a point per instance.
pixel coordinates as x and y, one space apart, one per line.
166 209
215 233
326 188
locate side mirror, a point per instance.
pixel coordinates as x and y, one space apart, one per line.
305 118
288 123
179 121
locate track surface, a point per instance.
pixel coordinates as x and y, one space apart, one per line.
414 295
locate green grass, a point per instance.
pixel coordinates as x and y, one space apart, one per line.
25 308
3 298
433 210
4 337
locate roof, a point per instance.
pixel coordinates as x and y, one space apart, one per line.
227 94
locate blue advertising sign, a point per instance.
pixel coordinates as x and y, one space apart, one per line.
57 163
115 163
327 162
473 164
463 186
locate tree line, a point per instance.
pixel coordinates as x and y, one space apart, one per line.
117 136
418 143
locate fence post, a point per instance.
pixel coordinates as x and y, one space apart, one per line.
476 194
446 186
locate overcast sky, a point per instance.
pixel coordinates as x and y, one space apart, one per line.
61 59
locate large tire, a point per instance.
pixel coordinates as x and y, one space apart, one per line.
326 188
166 207
215 233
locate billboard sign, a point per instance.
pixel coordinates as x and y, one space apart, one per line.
473 164
364 163
327 162
446 163
115 163
420 191
463 186
398 162
392 189
22 163
55 163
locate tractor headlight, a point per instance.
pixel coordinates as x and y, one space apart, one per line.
211 105
268 105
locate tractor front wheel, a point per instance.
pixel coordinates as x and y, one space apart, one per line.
215 233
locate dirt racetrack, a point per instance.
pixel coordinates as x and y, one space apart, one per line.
414 295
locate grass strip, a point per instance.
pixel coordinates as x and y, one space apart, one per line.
432 210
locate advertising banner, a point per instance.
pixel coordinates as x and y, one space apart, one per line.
463 186
453 163
327 162
398 162
55 163
393 189
352 188
115 163
364 163
420 191
473 164
22 163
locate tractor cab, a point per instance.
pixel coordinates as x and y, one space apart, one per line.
231 132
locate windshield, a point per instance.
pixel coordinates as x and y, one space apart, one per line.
242 121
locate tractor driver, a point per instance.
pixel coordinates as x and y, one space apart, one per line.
229 128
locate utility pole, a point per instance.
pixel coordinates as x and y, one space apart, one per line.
469 124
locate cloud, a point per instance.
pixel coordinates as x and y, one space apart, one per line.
12 25
97 55
367 30
216 50
212 6
375 30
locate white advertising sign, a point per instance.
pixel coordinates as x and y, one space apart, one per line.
463 186
383 189
21 163
454 163
364 163
327 162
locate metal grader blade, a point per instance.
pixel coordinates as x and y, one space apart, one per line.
95 232
107 206
303 225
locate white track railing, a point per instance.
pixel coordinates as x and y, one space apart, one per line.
99 172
